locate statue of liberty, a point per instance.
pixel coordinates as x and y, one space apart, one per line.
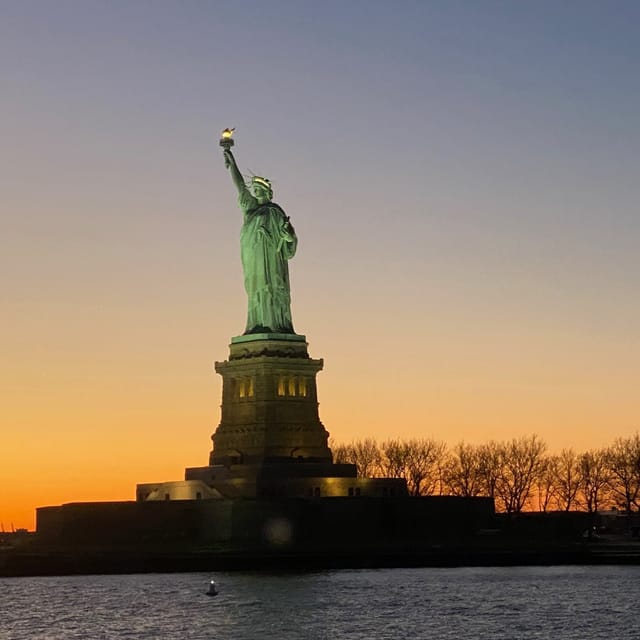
267 242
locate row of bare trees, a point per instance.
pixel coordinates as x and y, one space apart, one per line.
519 474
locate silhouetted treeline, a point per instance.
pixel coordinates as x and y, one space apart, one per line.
519 474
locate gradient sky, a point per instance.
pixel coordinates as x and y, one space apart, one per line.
463 178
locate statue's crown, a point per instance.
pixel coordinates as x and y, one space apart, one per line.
263 181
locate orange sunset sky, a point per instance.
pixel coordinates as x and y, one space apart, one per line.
462 177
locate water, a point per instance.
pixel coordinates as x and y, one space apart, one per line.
517 603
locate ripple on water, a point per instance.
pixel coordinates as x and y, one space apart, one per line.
568 603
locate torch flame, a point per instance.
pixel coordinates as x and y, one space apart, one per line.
227 133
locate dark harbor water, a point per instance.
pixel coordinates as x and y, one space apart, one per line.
562 603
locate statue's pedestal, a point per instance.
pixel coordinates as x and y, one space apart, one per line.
270 441
269 403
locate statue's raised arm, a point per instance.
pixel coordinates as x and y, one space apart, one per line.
267 242
236 176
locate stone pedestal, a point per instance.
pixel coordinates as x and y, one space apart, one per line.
270 442
269 403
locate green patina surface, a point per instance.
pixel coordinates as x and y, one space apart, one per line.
267 242
252 337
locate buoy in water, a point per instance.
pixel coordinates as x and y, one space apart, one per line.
213 590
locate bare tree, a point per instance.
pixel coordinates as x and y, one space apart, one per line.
342 453
424 466
367 457
594 478
490 465
624 464
522 461
546 482
394 455
463 472
509 472
567 479
418 461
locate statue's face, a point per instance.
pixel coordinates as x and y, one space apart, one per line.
261 193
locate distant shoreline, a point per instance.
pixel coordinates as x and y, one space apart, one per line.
23 563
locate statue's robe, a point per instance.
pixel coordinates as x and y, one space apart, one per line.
267 242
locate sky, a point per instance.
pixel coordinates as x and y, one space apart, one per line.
462 177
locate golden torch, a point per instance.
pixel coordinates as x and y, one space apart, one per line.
226 142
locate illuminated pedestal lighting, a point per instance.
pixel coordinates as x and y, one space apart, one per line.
270 441
269 403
